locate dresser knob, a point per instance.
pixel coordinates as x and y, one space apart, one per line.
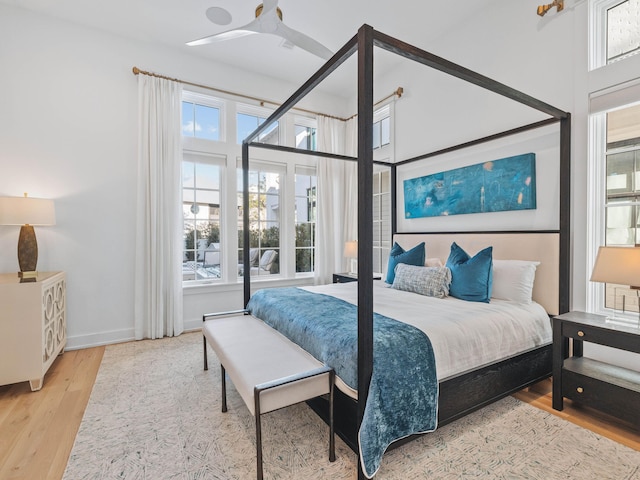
580 333
580 389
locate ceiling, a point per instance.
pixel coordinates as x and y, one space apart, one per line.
331 22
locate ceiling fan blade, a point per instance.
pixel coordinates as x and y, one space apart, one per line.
303 41
248 29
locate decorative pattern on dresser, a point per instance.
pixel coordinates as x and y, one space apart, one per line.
33 326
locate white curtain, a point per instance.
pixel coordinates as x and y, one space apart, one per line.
336 211
158 265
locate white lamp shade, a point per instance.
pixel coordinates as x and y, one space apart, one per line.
27 211
619 265
351 249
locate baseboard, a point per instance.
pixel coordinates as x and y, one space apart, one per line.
79 342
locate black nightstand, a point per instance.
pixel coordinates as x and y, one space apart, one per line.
349 277
610 388
344 277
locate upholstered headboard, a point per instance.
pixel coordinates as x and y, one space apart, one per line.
542 247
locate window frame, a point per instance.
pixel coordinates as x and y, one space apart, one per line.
598 203
310 171
219 161
598 34
281 169
208 101
259 112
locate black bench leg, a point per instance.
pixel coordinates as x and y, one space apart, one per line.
204 352
332 440
256 395
223 382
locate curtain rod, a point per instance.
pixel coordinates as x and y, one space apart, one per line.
136 71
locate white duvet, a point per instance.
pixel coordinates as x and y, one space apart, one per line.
465 335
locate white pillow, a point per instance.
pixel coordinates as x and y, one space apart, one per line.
513 280
433 262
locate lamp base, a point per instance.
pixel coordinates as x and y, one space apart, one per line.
31 274
27 249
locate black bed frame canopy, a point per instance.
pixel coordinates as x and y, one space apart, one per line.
363 43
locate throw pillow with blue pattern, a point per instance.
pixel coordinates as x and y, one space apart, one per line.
429 281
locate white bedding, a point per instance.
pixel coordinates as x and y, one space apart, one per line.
465 335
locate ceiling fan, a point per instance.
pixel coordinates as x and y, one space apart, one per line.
268 20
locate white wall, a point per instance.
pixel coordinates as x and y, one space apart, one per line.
546 58
68 131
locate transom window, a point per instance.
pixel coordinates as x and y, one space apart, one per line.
248 122
201 117
614 31
382 127
306 137
623 30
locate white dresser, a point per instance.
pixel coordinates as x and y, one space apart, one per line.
33 326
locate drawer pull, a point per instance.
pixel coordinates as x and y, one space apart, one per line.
580 333
580 389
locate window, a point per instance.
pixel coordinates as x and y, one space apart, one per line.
622 212
623 177
201 117
247 123
615 31
306 137
264 219
201 193
623 30
381 127
305 215
381 219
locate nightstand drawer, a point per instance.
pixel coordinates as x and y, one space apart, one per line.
586 333
612 399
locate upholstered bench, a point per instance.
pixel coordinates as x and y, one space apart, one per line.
268 370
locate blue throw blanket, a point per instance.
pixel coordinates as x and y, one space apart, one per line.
403 395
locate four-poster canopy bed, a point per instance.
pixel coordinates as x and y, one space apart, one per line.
464 391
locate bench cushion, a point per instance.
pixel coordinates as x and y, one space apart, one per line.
253 353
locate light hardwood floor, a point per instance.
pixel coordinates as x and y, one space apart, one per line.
37 429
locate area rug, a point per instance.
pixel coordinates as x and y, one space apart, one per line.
154 414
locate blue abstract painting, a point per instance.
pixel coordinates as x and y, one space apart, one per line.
494 186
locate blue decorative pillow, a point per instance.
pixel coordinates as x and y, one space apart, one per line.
471 278
397 255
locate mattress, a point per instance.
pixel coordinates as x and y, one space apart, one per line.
464 335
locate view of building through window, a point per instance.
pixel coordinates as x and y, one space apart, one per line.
201 212
206 175
623 189
264 222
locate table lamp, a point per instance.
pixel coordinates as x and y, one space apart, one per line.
620 266
351 252
27 212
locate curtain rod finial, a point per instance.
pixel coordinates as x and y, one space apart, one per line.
136 70
399 91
